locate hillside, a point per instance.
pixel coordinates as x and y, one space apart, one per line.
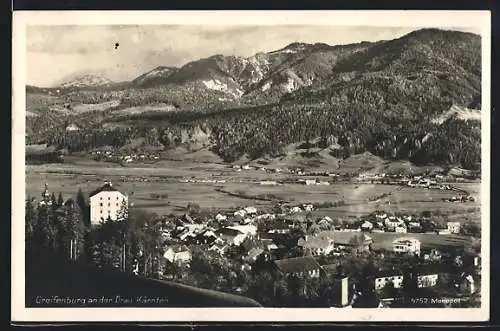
157 76
81 281
414 98
305 65
419 67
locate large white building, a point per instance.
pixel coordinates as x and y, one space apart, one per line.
406 245
106 203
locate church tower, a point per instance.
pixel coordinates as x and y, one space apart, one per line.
46 197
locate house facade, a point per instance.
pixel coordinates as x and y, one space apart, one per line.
106 203
429 280
453 227
382 281
178 254
406 245
401 228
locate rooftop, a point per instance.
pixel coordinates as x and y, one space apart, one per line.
254 252
351 238
315 242
406 240
297 264
106 187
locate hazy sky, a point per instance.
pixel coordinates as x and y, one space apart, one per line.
57 53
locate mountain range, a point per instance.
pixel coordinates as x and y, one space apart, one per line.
266 77
409 79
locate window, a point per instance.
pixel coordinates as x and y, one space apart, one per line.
117 198
117 204
101 204
109 205
101 211
109 198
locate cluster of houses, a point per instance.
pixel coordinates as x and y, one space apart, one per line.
278 170
425 279
267 238
407 224
116 156
428 181
461 198
435 181
205 181
313 182
235 227
431 180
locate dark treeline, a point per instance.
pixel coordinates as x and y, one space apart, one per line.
265 131
44 157
62 228
84 140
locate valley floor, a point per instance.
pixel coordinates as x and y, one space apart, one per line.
168 186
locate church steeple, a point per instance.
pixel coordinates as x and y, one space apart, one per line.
46 196
45 193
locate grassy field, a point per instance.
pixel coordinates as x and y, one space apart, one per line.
146 108
87 107
234 189
427 240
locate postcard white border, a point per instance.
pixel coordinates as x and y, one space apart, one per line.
443 19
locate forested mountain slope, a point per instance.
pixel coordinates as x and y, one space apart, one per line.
381 97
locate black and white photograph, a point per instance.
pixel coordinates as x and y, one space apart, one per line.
294 165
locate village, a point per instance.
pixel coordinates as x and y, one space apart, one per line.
289 240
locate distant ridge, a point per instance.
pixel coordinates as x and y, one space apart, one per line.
86 81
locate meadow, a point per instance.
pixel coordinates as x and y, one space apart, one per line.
164 188
427 240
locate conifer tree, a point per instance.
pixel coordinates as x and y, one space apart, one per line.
84 207
53 201
45 231
71 230
60 200
30 218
